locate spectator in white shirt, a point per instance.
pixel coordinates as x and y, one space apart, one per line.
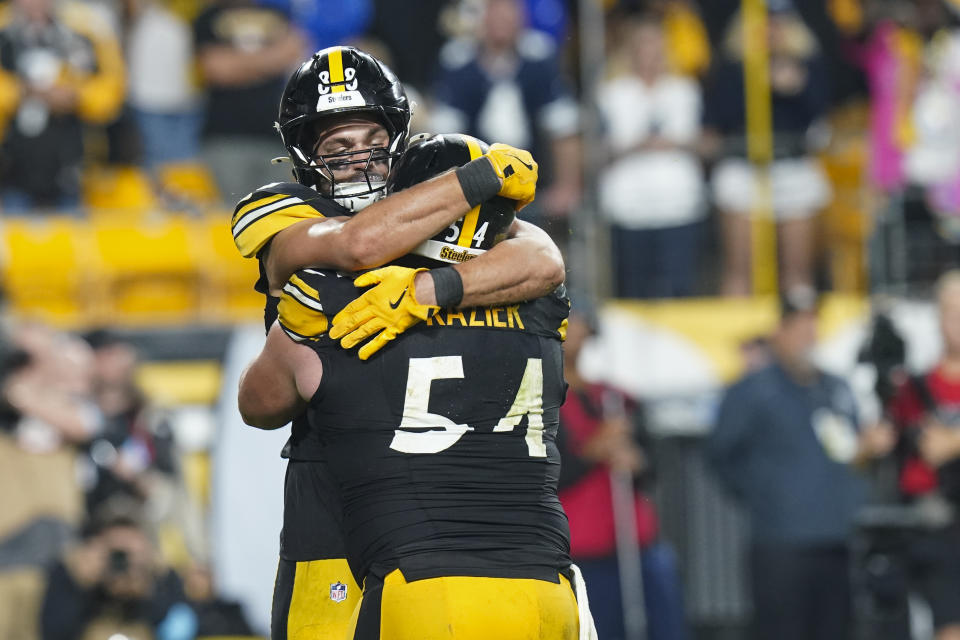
652 189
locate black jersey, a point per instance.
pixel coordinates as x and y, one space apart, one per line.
312 513
256 219
443 444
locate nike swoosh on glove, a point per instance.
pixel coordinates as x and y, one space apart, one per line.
518 171
384 312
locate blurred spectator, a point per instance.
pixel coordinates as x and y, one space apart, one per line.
934 159
215 615
507 87
162 94
393 22
549 17
799 87
45 405
786 444
652 191
51 393
597 439
685 35
113 583
926 409
891 57
245 53
134 457
327 24
60 67
132 442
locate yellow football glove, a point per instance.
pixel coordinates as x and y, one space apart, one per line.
387 310
518 170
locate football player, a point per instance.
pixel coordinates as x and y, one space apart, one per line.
344 119
442 448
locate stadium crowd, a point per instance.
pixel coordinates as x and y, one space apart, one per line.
182 94
172 103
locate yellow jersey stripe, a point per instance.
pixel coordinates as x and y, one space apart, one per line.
256 204
470 220
304 293
299 319
336 70
261 212
258 232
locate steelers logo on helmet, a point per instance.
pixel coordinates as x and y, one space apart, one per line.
481 228
338 85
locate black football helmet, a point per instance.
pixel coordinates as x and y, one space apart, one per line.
335 81
484 226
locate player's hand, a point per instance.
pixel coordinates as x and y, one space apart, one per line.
385 311
518 171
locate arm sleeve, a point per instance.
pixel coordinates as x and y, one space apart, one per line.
260 216
730 437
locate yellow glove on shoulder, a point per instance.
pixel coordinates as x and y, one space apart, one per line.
387 310
518 171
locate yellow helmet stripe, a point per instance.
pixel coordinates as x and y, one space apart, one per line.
336 70
470 220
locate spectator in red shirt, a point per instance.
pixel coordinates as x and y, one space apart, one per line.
927 410
603 462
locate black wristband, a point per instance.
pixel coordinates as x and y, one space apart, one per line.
478 180
447 287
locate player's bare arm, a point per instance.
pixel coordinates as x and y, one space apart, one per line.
392 227
382 232
276 386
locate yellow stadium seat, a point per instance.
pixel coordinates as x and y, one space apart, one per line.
46 268
126 189
180 382
189 181
227 278
148 271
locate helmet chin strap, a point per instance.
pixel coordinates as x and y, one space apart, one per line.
356 196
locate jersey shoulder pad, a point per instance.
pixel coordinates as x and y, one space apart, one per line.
547 315
309 298
272 208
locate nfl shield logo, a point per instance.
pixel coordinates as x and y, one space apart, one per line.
338 592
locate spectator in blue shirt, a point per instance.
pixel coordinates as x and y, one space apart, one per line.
786 444
507 86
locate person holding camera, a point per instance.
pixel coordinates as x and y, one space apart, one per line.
926 410
112 583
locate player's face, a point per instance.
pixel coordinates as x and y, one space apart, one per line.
348 142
